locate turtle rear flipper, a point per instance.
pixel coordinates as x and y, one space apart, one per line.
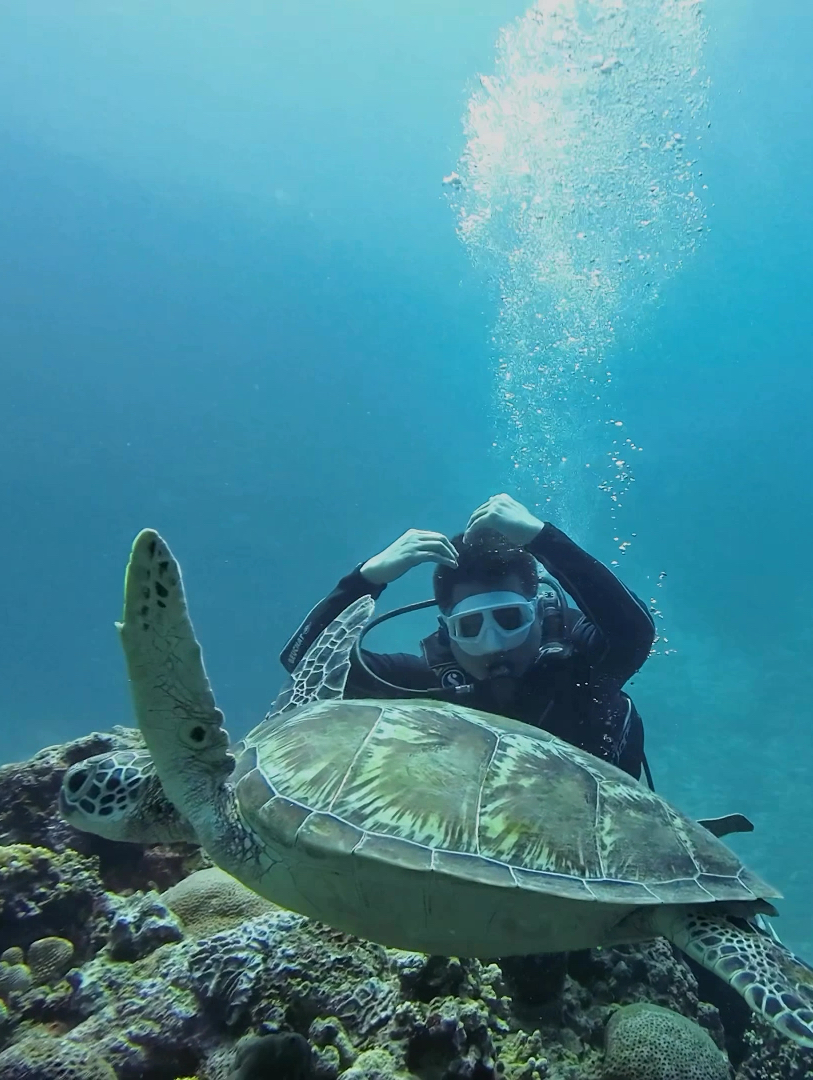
773 981
724 826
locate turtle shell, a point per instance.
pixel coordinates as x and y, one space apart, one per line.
429 785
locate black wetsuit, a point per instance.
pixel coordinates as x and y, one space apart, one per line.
578 697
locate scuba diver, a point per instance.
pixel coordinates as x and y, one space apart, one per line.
508 642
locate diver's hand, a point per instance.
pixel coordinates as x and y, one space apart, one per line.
414 547
506 515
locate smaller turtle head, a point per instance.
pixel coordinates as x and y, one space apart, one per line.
119 796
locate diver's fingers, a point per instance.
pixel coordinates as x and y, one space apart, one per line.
478 520
439 551
449 548
420 539
482 509
427 534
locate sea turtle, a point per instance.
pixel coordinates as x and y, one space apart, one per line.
417 824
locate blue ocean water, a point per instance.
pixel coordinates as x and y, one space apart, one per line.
236 309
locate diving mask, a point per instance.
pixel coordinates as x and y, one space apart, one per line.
490 622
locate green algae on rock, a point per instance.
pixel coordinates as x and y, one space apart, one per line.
49 894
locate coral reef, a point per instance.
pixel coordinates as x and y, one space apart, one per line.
285 1056
49 958
647 1042
210 900
45 1058
14 979
770 1057
48 894
142 922
103 977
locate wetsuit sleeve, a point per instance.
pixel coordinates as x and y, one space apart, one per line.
400 669
616 631
631 758
349 589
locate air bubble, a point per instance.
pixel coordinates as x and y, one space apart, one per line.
568 204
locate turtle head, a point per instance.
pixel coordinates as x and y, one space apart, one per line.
119 796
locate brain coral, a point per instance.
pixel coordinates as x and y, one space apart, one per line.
49 958
14 978
211 900
646 1042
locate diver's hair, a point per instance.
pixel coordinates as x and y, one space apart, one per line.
488 558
